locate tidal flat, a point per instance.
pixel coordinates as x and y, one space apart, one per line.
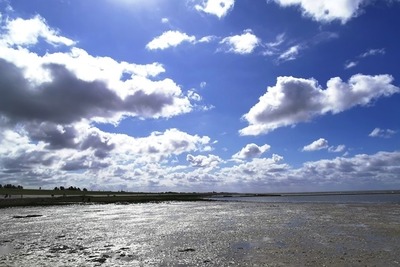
201 234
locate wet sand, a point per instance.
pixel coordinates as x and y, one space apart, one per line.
202 234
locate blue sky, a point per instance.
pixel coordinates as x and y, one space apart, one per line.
200 95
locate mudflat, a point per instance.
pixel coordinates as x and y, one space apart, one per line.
202 234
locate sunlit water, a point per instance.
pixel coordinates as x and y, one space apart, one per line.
356 198
193 234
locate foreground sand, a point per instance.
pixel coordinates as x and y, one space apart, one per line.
202 234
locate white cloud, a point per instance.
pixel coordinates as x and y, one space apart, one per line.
164 20
316 145
368 53
383 133
251 151
280 38
382 167
290 54
337 149
326 10
373 52
193 95
169 39
27 32
203 161
207 39
350 64
131 85
322 143
241 44
294 100
282 52
218 8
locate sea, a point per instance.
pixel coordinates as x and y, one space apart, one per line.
323 198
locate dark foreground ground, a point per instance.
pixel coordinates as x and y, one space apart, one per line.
201 234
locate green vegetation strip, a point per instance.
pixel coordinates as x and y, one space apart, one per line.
95 197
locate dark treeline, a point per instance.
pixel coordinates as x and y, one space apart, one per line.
72 188
11 186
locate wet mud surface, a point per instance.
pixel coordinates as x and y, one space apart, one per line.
202 234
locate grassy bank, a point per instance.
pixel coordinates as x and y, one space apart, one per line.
30 197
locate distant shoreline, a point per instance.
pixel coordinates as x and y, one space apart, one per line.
97 199
32 197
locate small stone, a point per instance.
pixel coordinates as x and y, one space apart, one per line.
187 250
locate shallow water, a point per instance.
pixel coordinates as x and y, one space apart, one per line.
200 234
327 198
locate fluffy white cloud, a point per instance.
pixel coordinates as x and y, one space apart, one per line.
294 100
87 157
169 39
104 89
37 150
384 133
251 151
322 143
316 145
203 161
255 174
207 39
326 10
241 44
218 8
27 32
382 167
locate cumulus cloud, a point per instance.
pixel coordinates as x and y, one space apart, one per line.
382 167
45 87
256 172
218 8
316 145
203 161
52 101
169 39
322 143
294 100
241 44
251 151
326 10
56 150
27 32
383 133
207 39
